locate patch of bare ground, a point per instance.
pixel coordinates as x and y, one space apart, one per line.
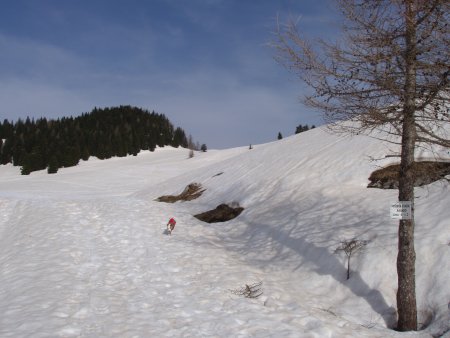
425 172
222 213
191 192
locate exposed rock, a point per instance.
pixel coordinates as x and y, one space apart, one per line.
425 173
191 192
222 213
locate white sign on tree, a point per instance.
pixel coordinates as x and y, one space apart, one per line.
401 210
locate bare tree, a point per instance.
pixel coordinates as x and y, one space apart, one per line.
191 143
390 73
350 247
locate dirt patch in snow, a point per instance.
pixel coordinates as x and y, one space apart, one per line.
425 172
191 192
222 213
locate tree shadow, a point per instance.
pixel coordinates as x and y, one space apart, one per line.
263 243
355 284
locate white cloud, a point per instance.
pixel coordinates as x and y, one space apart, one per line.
220 108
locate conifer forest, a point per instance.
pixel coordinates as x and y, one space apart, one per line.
103 133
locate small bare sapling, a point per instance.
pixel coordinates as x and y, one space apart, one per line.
350 247
249 290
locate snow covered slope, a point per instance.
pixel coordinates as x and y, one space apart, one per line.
83 253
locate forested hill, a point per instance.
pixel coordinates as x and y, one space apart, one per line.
53 144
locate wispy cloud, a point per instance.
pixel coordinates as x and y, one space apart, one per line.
29 59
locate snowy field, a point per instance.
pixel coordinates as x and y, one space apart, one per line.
83 253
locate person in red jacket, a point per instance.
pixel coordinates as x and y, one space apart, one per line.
171 225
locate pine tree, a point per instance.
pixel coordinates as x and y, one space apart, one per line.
301 129
26 168
53 165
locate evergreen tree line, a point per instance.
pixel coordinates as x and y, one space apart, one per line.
300 128
53 144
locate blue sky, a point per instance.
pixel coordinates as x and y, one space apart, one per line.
205 64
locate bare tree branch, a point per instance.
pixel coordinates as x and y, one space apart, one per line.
389 73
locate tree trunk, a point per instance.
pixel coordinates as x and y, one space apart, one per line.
406 294
348 267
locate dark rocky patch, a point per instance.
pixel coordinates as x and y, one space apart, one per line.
191 192
425 172
222 213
